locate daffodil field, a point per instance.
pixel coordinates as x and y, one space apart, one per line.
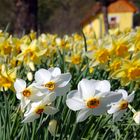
75 87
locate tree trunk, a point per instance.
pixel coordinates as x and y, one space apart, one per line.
26 13
105 14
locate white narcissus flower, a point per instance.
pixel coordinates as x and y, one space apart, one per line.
91 98
37 108
52 80
120 107
26 94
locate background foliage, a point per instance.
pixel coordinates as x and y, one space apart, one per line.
54 16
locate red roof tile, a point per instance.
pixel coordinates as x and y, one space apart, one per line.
114 7
121 6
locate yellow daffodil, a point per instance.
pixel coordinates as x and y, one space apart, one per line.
99 56
114 65
7 77
120 47
129 71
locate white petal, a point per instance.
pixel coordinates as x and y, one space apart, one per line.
41 87
19 95
50 110
36 98
101 94
35 105
118 115
75 104
49 98
62 90
31 117
101 109
40 94
36 95
75 94
55 71
63 79
28 110
86 88
105 102
83 114
74 101
102 86
124 93
112 97
131 97
113 109
19 85
24 102
42 76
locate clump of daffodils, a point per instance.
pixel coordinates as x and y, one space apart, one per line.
38 97
117 54
94 97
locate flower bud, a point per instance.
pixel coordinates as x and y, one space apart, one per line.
31 65
30 76
136 117
58 41
52 127
91 70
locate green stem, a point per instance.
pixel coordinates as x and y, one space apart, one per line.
73 132
131 108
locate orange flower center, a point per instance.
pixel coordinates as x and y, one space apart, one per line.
76 59
26 93
93 103
123 104
50 85
133 73
103 55
39 110
121 50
